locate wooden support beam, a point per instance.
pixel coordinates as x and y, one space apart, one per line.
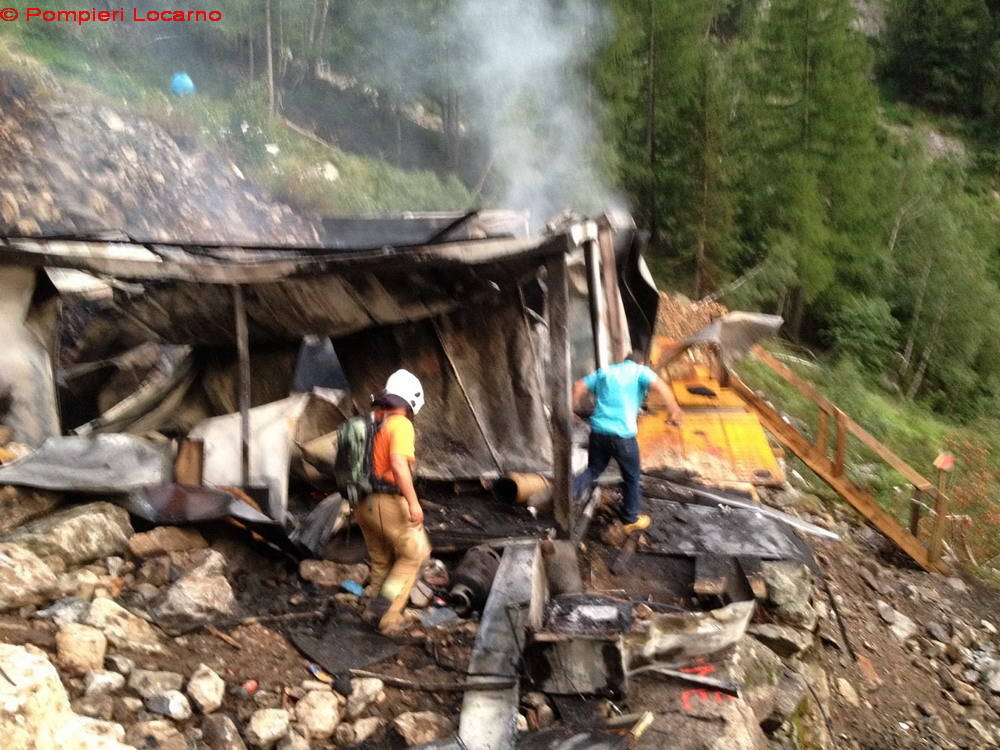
940 517
864 437
860 500
559 393
840 447
243 381
822 431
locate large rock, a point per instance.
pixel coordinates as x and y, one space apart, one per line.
783 640
365 728
789 593
364 692
24 578
330 574
100 681
206 689
772 692
318 713
81 648
418 727
195 601
729 725
77 535
220 733
122 628
199 562
156 735
267 726
18 505
171 703
35 712
147 683
165 539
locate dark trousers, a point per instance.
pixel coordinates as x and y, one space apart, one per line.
601 449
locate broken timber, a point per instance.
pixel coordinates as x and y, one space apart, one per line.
831 471
489 717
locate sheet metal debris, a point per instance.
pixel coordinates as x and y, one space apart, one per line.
103 464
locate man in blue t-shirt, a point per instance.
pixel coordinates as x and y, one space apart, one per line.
619 392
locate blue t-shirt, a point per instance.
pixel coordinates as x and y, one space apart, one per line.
620 390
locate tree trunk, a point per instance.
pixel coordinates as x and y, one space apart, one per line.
700 246
321 33
932 340
918 307
313 20
253 71
651 198
798 312
399 135
270 57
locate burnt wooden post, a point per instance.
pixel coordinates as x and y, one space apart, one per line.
596 297
243 381
559 391
190 463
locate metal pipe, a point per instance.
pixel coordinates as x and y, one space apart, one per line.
523 489
243 352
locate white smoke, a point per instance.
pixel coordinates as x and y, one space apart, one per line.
528 89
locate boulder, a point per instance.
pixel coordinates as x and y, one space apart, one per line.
364 692
95 706
318 713
220 733
77 535
194 601
330 574
365 728
35 712
24 578
206 689
80 648
771 691
156 735
419 727
267 726
165 539
171 703
122 628
789 593
783 640
730 725
147 683
100 681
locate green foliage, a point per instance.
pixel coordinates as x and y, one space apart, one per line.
939 52
864 329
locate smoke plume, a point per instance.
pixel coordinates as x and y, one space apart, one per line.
529 90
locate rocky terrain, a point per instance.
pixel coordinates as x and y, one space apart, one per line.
73 164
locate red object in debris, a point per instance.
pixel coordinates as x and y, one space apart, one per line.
250 686
944 462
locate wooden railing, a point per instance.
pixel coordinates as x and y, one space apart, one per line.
815 454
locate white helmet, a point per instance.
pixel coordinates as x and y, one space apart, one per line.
405 384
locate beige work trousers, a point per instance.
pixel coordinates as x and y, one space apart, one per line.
397 548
